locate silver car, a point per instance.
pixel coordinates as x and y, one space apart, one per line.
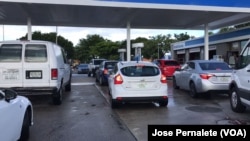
203 77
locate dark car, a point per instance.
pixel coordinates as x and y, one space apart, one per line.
168 67
82 69
102 73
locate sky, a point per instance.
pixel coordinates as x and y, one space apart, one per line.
74 34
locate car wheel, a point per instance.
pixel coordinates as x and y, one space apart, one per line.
89 74
174 83
101 81
235 102
68 86
96 80
193 92
57 98
114 104
25 127
163 103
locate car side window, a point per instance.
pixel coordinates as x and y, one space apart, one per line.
245 58
192 65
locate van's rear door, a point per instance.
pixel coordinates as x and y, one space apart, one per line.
11 65
36 65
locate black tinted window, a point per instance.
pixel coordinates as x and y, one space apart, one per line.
110 65
140 71
171 63
214 66
98 62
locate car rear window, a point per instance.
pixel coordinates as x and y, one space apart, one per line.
135 71
110 65
10 53
98 62
171 63
83 65
215 66
35 53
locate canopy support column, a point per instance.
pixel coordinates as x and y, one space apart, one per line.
29 29
206 45
128 42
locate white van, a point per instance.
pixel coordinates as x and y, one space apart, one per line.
34 68
239 88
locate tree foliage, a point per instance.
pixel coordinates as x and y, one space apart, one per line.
95 46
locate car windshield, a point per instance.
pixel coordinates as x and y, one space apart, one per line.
214 66
135 71
171 63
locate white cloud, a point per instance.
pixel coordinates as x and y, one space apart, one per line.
73 34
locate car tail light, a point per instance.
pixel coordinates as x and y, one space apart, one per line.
163 79
105 71
206 76
54 74
119 98
118 79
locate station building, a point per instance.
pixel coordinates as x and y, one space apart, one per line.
223 46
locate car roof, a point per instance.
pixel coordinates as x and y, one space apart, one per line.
133 63
166 60
206 61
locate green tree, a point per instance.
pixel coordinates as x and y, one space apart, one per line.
182 36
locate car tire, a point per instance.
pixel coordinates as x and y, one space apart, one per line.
235 102
114 104
192 91
101 81
57 98
68 86
163 103
89 74
25 132
96 79
174 84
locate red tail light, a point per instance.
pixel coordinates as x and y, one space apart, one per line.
118 79
105 71
206 76
163 79
54 74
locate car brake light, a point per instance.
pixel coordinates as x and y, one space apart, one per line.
118 79
105 71
54 74
206 76
163 79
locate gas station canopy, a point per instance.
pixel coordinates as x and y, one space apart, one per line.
141 14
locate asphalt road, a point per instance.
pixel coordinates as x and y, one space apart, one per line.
85 114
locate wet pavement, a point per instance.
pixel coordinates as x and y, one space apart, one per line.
85 114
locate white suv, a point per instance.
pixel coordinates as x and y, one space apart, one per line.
240 85
35 68
137 82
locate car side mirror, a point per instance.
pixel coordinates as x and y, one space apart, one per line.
10 94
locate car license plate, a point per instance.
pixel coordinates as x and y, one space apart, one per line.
11 74
34 74
224 79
